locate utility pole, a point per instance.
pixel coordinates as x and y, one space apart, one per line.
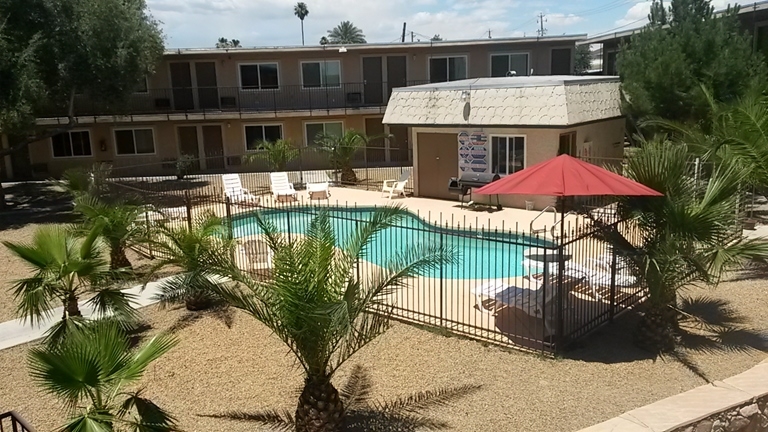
489 33
402 38
542 31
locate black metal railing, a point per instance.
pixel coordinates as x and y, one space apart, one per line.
346 96
11 421
506 286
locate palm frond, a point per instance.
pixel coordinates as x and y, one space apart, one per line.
111 301
148 416
151 351
89 421
426 399
357 390
273 419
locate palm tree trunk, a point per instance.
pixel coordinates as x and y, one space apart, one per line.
302 32
348 175
657 330
320 409
118 259
71 307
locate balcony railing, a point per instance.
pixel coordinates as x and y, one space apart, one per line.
12 421
237 99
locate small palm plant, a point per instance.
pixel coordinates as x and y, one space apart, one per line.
317 302
342 149
117 222
190 250
67 267
277 154
690 236
91 370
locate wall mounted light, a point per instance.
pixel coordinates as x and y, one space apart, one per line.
103 144
465 96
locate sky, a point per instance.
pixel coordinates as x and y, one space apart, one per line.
199 23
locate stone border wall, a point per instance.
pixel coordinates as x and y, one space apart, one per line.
736 404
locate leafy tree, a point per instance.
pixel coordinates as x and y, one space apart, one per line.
190 250
346 33
92 372
226 43
690 236
582 62
317 303
683 48
65 268
58 49
277 154
301 11
342 149
436 38
117 224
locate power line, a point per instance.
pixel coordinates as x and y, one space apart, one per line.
603 33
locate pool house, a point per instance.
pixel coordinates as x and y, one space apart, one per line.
498 126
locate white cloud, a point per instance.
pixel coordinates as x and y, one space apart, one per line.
562 20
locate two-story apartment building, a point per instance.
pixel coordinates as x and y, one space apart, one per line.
217 104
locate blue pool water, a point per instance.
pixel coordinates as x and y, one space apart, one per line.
482 255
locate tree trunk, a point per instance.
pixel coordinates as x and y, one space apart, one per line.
71 307
348 175
197 301
657 330
302 32
118 259
319 409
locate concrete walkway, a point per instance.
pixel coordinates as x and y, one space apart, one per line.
16 332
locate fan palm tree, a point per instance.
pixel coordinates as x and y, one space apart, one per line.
190 250
301 11
342 149
346 33
66 268
277 154
689 236
91 370
117 223
317 302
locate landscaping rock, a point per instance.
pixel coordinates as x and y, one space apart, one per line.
738 424
704 426
749 411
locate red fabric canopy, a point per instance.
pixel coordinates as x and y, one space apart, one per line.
566 176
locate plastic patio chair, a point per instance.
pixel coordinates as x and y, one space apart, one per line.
235 191
318 185
396 187
281 187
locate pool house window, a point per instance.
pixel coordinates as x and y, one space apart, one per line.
313 130
442 69
508 154
134 141
256 134
259 76
71 144
326 73
502 64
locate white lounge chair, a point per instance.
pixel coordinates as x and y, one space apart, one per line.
396 187
534 300
235 191
153 214
318 185
254 255
281 187
597 273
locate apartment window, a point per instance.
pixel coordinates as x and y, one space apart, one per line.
442 69
315 129
321 74
259 76
610 63
256 134
501 64
134 141
508 154
142 87
71 144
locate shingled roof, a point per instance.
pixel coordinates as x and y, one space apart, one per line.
511 101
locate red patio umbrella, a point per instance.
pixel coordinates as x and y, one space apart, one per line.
566 176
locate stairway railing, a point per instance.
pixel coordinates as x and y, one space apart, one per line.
16 422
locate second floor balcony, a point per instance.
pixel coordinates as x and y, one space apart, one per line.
180 100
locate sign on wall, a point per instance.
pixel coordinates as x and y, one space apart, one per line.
473 152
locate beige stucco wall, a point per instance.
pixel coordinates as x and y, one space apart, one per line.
541 144
417 61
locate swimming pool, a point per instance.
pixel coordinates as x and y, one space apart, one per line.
482 254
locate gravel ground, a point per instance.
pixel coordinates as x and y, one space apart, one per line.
215 369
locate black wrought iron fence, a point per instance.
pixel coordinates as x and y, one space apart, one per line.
11 421
510 287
